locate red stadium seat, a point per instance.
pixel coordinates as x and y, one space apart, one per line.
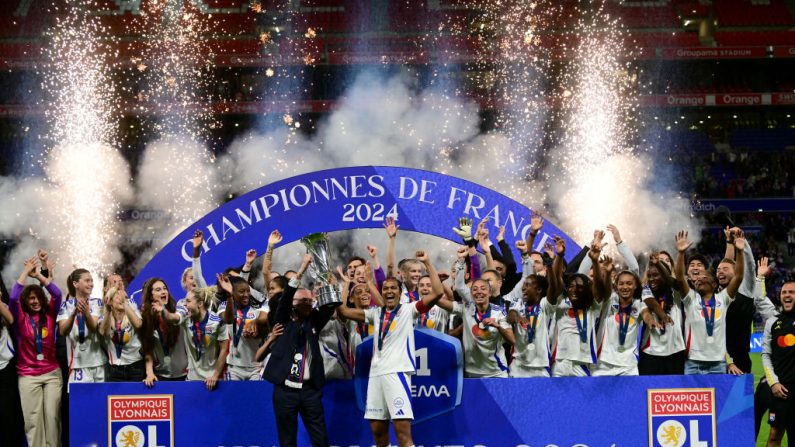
747 13
755 38
643 15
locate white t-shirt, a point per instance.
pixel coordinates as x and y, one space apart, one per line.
697 341
568 345
243 353
484 355
397 352
334 350
611 350
201 368
535 354
89 353
130 347
6 347
655 342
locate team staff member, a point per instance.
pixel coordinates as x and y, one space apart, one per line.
778 359
78 320
40 381
295 367
389 388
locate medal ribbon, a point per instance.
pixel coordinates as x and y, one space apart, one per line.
238 331
38 329
118 339
362 330
479 317
662 301
709 314
582 324
199 329
81 327
531 330
623 323
385 325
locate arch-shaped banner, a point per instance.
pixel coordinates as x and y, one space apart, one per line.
340 199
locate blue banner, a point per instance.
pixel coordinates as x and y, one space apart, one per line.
340 199
655 411
744 205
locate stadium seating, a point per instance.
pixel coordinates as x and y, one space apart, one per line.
644 14
761 38
748 13
763 139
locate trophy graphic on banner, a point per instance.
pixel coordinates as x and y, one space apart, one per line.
320 269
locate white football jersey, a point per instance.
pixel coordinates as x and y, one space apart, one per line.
568 344
334 350
395 330
659 343
89 353
701 346
6 347
484 355
533 354
243 351
611 350
202 365
123 344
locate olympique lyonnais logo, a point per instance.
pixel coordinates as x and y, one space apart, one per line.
141 421
682 417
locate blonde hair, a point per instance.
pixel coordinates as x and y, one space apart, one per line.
109 319
206 296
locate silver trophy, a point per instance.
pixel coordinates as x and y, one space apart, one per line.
320 269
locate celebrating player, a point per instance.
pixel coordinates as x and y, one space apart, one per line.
120 327
78 320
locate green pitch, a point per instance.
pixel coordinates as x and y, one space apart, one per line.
761 441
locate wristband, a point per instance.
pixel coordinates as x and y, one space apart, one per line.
471 243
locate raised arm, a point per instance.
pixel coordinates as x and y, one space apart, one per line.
625 251
196 265
391 231
229 311
267 264
763 305
351 313
460 280
132 315
372 285
556 275
601 278
682 244
436 283
536 223
729 254
251 256
739 268
486 246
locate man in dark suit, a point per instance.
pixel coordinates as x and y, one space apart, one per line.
296 367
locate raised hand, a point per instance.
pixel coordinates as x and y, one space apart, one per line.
728 233
616 235
607 265
368 272
198 238
43 257
274 238
251 256
224 283
372 251
501 233
461 253
596 246
391 227
682 243
521 246
762 268
29 266
483 238
560 245
421 256
343 276
464 229
739 242
549 249
157 307
536 221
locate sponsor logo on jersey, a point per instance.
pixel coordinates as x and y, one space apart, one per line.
682 417
141 421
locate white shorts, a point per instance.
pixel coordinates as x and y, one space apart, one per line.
606 369
529 371
94 374
242 373
570 368
389 397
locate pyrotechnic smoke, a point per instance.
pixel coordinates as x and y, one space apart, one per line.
600 173
72 212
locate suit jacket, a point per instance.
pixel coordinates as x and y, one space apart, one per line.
278 367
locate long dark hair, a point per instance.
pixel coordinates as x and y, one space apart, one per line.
39 291
151 322
638 292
